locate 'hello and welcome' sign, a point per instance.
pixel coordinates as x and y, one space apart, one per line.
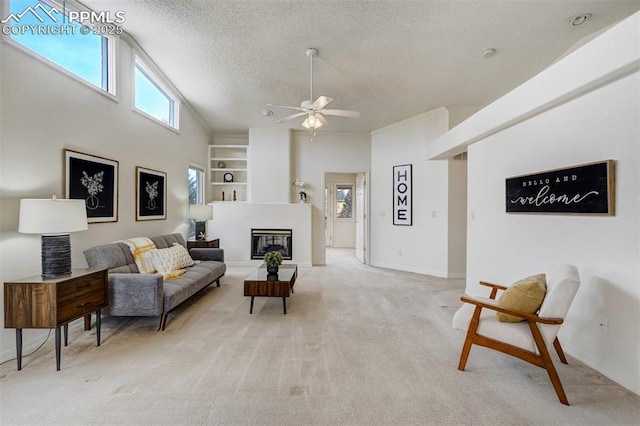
582 189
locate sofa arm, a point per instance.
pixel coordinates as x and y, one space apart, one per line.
135 294
207 254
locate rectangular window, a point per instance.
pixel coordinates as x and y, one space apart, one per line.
196 193
344 201
153 98
42 28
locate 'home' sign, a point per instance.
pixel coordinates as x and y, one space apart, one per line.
402 195
581 189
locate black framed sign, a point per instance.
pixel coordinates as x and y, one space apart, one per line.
402 195
95 180
581 189
151 194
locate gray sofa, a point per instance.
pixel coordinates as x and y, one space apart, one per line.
135 294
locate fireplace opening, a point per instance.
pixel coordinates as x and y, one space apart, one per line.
266 240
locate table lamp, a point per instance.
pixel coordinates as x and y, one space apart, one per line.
201 213
54 219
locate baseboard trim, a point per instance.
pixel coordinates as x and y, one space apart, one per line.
433 273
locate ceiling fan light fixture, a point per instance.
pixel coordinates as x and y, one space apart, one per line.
311 122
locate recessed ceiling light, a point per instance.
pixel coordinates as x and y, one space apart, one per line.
576 20
267 112
489 53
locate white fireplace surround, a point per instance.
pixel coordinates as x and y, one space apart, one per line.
232 223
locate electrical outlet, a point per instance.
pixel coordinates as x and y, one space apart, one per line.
603 323
399 252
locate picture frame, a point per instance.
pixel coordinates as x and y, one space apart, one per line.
403 195
151 194
95 180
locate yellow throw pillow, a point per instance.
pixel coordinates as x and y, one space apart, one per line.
525 296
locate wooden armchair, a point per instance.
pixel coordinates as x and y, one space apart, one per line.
528 340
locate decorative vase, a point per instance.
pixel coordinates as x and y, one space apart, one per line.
272 269
272 277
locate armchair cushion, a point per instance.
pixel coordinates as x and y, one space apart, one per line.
525 295
516 334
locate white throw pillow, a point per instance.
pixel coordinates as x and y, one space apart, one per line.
171 259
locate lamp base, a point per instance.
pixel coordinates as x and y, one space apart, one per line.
201 227
56 255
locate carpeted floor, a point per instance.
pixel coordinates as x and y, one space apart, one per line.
358 346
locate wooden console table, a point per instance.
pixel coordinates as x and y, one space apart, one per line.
38 302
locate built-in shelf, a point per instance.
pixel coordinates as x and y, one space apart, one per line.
235 161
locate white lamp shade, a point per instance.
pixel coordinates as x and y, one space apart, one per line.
52 216
200 212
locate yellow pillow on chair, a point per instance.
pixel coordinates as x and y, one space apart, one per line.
525 295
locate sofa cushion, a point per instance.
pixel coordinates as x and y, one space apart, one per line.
166 241
115 257
195 279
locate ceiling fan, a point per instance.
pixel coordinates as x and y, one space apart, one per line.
314 110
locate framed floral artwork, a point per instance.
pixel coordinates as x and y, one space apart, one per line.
95 180
151 194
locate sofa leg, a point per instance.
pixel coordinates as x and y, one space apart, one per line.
218 282
163 321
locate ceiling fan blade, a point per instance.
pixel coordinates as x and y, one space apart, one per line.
283 106
341 113
291 117
321 119
321 102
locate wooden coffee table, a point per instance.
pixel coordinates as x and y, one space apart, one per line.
262 284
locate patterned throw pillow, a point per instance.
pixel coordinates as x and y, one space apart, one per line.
171 259
141 248
525 296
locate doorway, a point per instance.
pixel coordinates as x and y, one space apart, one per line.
346 206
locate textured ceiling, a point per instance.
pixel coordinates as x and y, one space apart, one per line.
390 60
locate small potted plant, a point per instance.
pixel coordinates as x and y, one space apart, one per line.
273 259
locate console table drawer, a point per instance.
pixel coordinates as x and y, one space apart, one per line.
80 306
77 289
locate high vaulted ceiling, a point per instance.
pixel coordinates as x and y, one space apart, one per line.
389 60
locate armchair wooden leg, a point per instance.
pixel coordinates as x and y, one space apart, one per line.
466 348
548 363
559 351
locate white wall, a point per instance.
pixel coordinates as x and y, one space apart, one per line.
44 111
270 164
422 247
344 230
329 152
232 223
597 119
503 248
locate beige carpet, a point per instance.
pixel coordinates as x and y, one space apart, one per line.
359 345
